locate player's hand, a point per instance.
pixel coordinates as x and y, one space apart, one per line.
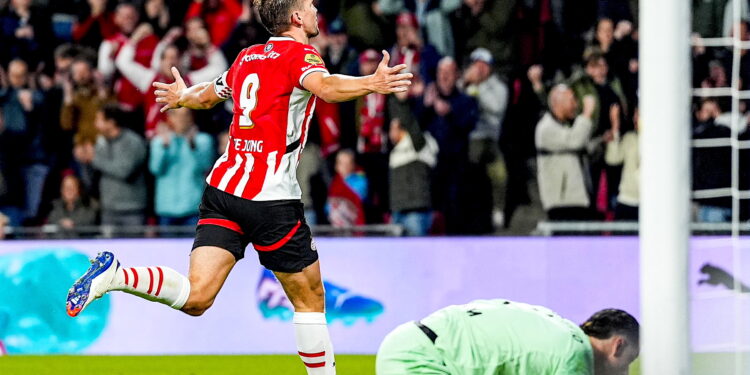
387 80
170 93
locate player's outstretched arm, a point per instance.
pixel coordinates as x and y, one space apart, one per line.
340 88
177 94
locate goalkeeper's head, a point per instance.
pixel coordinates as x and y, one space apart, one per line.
615 337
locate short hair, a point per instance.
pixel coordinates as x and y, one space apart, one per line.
82 60
66 51
112 111
605 323
592 55
274 14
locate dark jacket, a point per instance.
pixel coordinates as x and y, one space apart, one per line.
82 214
410 163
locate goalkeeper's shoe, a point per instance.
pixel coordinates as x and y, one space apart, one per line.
93 284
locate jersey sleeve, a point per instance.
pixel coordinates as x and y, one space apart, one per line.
222 87
305 60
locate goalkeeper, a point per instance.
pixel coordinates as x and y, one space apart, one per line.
500 337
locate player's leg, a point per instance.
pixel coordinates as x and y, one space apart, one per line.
209 268
305 291
285 246
407 350
159 283
219 243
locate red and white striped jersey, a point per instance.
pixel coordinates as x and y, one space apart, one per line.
272 113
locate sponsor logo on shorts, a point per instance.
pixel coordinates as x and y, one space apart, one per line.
312 245
312 58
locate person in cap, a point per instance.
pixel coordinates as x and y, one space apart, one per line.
339 56
491 93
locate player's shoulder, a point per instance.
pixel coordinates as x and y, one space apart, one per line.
290 46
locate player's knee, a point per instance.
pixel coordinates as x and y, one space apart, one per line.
197 308
197 303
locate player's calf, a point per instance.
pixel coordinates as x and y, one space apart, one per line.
158 284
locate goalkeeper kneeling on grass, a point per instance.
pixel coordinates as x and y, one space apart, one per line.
501 337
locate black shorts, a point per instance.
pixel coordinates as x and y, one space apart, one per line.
277 229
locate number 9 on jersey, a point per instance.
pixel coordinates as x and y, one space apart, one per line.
248 100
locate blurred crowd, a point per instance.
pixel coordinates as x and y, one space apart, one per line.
514 103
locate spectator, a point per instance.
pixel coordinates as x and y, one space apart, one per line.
596 82
606 92
716 77
562 172
338 55
450 116
73 208
156 13
166 56
220 15
204 61
126 20
94 26
624 151
24 145
119 156
433 19
712 165
618 48
410 49
482 23
492 96
371 140
83 95
411 161
180 157
364 25
347 192
25 33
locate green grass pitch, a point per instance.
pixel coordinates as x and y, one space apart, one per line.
703 364
175 365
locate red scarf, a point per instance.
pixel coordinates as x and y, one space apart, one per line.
371 122
329 123
346 208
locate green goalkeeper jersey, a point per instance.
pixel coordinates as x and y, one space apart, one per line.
500 337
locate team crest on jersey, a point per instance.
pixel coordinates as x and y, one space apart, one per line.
269 47
312 58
